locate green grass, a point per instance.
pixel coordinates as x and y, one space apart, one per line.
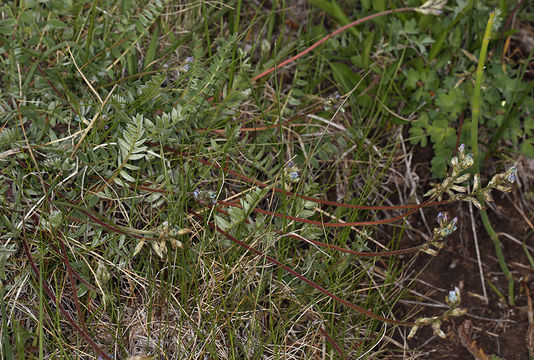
128 128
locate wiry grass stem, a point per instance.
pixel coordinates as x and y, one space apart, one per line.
476 104
478 83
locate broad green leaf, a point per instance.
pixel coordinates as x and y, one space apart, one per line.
56 24
344 76
527 148
152 49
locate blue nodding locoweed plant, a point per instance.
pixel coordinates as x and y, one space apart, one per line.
456 188
142 168
457 182
453 300
461 163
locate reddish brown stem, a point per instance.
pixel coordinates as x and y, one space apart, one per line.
72 283
306 280
347 251
328 224
332 342
52 297
343 28
260 184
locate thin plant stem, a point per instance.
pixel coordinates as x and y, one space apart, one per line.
474 145
341 29
500 256
478 83
304 279
477 251
41 305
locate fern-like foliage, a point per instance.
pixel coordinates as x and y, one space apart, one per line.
162 127
148 92
131 148
140 23
7 137
238 215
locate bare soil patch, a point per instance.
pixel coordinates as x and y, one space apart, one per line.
498 327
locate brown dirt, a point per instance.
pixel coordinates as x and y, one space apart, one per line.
498 327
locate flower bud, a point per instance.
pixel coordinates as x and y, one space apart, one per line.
454 297
442 218
436 326
468 161
476 182
461 152
458 188
462 178
511 175
413 331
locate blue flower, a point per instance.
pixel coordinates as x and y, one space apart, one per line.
454 296
453 224
442 218
511 174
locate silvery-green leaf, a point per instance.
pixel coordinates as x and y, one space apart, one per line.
124 147
222 223
153 197
126 176
55 219
118 181
130 166
137 156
